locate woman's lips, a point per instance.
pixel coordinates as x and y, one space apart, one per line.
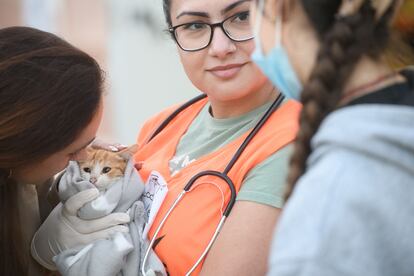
226 71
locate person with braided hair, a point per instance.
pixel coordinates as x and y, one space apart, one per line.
350 185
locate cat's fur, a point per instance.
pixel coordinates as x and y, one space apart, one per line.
103 168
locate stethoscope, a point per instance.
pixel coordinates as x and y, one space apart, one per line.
222 175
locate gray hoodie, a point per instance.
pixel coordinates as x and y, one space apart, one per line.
352 213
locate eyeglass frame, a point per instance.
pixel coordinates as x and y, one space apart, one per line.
212 27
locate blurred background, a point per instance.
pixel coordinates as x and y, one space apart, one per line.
127 37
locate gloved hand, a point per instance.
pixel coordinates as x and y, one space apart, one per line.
64 230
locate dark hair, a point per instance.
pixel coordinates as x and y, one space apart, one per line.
166 4
343 42
49 92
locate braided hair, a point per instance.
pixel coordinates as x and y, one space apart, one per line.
344 40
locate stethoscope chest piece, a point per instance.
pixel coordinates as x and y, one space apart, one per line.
221 175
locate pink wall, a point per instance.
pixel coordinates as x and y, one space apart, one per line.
10 13
83 24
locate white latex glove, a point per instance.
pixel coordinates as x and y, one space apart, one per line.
63 229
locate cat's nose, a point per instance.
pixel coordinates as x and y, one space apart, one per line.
92 180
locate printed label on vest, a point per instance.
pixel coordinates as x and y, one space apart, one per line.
154 194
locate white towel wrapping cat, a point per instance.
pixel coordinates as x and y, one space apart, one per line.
123 253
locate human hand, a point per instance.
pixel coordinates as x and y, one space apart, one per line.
99 144
64 230
115 147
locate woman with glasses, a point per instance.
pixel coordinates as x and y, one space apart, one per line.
241 131
215 42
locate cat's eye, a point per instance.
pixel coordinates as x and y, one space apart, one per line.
88 170
106 170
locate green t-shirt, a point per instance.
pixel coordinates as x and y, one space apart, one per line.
264 184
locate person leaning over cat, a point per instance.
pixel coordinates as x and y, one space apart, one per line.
50 110
350 199
214 41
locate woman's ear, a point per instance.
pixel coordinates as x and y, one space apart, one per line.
128 152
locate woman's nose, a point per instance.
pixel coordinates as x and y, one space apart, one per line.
221 45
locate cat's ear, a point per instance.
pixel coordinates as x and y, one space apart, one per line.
84 157
128 152
90 150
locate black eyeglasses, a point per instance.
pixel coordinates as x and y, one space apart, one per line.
195 36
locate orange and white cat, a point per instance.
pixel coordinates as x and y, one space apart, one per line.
102 168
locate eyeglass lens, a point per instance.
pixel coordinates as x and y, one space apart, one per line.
195 36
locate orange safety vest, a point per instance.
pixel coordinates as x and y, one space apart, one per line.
191 224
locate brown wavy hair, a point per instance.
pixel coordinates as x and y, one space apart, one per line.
49 92
344 41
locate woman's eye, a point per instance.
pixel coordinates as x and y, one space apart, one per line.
87 170
194 26
106 170
241 17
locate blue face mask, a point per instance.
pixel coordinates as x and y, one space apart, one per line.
276 65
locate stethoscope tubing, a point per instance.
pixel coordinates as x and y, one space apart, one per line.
174 114
254 132
177 200
223 175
